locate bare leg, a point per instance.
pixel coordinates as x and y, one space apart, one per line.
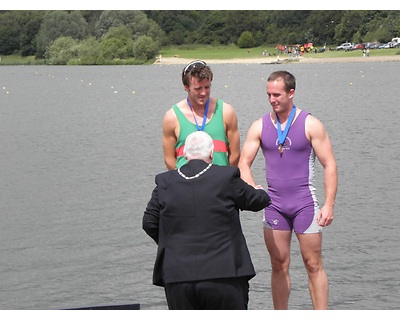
311 251
278 245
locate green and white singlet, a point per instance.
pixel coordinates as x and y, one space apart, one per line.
215 128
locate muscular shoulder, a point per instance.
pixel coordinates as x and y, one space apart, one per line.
256 127
227 108
229 114
170 119
314 127
169 114
313 123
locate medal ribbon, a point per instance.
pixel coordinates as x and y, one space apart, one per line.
282 134
204 117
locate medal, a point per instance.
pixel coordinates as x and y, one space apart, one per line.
280 148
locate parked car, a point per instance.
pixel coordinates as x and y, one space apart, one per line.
359 46
346 46
372 45
385 45
396 45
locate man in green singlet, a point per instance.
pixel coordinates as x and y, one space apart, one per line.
200 112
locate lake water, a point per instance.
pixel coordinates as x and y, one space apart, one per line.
79 149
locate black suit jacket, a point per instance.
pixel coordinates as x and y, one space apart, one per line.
196 223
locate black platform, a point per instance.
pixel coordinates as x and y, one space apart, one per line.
134 306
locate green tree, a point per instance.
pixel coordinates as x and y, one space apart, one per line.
145 48
62 50
380 26
393 22
91 17
238 21
18 30
136 21
60 23
380 34
287 26
350 23
117 43
272 34
90 52
178 25
246 40
259 38
292 38
9 34
321 24
176 37
211 31
30 22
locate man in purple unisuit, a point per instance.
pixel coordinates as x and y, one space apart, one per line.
290 139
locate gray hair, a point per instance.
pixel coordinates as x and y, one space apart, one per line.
198 145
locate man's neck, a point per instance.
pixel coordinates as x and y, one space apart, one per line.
195 106
284 115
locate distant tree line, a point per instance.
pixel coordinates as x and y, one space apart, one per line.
101 37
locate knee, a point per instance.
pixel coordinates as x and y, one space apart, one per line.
313 265
280 264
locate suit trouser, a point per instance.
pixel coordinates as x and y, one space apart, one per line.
215 294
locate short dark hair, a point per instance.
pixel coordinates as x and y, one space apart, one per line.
287 77
197 69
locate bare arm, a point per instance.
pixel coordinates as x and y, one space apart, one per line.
169 139
232 133
249 151
323 149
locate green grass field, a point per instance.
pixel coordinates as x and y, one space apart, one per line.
18 60
233 52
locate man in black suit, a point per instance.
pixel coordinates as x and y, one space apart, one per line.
203 261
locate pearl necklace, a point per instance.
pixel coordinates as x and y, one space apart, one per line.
195 176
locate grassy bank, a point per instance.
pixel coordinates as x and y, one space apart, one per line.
218 52
18 60
233 52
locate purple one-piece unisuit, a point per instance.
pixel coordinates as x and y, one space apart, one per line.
290 178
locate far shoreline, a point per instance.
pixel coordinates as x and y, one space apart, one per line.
279 60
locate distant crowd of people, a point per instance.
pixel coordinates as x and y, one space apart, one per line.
298 50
